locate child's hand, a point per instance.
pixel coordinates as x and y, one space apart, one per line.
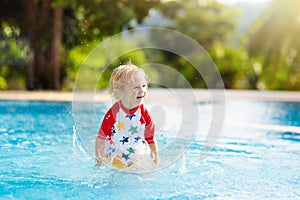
155 162
98 162
154 157
99 147
154 154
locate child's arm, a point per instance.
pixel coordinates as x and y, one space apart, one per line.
99 151
154 152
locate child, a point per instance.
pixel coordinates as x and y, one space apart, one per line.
127 130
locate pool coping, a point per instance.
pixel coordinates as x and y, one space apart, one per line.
160 95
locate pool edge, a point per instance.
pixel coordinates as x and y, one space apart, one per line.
154 95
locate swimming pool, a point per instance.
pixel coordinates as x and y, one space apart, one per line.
257 156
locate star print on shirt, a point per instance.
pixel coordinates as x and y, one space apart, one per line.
111 150
133 129
120 125
130 116
136 139
124 140
125 156
131 150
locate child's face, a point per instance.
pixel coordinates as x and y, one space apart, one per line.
134 93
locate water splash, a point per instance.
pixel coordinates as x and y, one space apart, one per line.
182 168
78 150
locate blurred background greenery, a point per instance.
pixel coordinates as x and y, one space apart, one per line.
254 45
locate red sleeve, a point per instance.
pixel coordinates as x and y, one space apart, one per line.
109 120
149 127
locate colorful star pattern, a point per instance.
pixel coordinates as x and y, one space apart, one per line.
133 129
120 125
136 139
125 136
125 156
130 116
111 150
124 140
131 150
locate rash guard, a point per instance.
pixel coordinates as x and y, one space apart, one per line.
125 132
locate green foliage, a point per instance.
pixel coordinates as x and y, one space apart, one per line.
84 21
14 57
14 50
3 83
210 24
233 65
93 19
12 77
270 61
207 23
92 64
276 46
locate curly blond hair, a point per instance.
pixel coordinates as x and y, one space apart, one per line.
122 76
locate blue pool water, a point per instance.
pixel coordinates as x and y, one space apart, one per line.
257 156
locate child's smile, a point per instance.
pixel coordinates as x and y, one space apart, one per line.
135 92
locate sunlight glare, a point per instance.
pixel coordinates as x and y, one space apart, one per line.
237 1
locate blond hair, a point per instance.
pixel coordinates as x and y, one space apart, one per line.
122 76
